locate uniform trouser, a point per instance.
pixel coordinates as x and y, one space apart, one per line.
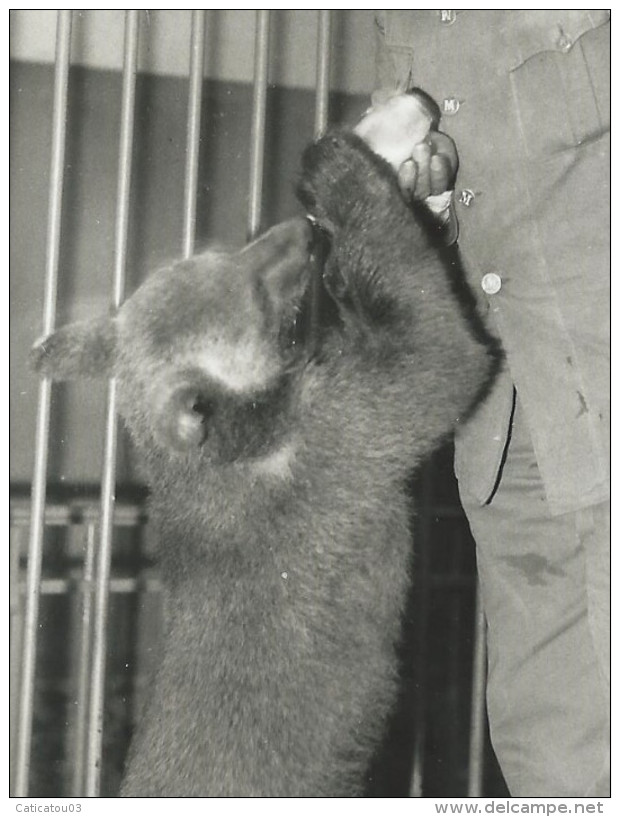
545 583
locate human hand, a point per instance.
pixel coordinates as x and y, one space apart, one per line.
396 123
402 128
431 168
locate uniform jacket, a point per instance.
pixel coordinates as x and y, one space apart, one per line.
526 97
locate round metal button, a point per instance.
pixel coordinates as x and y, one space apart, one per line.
447 16
491 283
451 105
466 197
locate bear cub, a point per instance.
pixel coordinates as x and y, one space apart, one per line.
277 461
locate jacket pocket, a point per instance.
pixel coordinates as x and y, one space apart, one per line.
561 91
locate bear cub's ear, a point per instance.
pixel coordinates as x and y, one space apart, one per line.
85 349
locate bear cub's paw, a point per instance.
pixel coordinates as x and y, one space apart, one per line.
340 174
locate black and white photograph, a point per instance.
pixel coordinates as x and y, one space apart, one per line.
310 407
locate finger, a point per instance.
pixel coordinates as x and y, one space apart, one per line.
442 145
440 174
407 176
421 155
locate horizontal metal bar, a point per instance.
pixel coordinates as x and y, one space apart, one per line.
58 586
129 514
121 586
125 515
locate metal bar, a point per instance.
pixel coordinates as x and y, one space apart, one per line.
422 624
35 549
193 130
478 708
131 514
321 111
97 686
259 109
323 54
62 515
416 786
15 633
124 585
125 154
84 661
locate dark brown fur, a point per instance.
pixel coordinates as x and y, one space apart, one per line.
285 574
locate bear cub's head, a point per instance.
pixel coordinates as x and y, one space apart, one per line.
207 351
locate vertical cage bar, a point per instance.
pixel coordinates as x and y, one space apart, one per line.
84 661
323 53
104 556
478 708
259 109
37 517
321 114
421 632
194 106
416 786
15 633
